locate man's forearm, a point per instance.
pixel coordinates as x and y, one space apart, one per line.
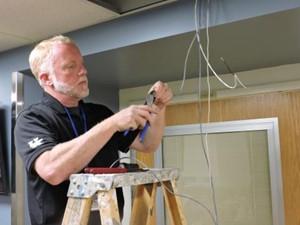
153 135
66 158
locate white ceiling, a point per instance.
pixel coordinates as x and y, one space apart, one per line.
26 21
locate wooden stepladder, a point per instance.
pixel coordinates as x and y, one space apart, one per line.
83 187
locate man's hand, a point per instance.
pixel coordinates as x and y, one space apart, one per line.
133 117
149 141
163 94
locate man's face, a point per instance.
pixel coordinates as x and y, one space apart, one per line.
69 75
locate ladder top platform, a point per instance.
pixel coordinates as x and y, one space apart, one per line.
85 185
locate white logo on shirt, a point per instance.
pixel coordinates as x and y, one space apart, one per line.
35 142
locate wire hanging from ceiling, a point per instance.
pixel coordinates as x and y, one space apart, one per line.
209 68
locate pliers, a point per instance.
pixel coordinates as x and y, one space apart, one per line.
150 99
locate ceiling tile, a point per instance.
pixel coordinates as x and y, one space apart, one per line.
33 20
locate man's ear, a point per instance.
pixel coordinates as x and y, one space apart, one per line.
45 79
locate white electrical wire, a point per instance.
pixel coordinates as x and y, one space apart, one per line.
204 143
236 78
211 177
185 63
209 68
197 36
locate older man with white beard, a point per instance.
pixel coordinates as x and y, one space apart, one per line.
62 134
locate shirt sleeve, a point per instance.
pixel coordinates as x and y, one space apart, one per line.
33 136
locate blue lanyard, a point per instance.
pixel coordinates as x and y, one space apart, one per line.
82 114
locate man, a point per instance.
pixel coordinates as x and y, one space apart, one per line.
61 135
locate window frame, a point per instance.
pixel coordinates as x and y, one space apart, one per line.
270 125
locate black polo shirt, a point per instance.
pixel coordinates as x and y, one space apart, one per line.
42 126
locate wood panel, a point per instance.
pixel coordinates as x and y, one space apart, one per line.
284 105
146 158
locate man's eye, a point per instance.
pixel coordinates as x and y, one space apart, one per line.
70 66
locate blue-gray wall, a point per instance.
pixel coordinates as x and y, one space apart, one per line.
153 24
9 62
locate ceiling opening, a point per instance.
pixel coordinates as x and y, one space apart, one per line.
129 6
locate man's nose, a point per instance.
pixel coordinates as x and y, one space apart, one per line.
82 71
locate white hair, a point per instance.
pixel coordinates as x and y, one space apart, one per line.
40 56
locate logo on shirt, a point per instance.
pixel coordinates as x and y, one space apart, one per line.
35 142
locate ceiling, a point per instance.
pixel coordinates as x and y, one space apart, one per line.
25 22
259 42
